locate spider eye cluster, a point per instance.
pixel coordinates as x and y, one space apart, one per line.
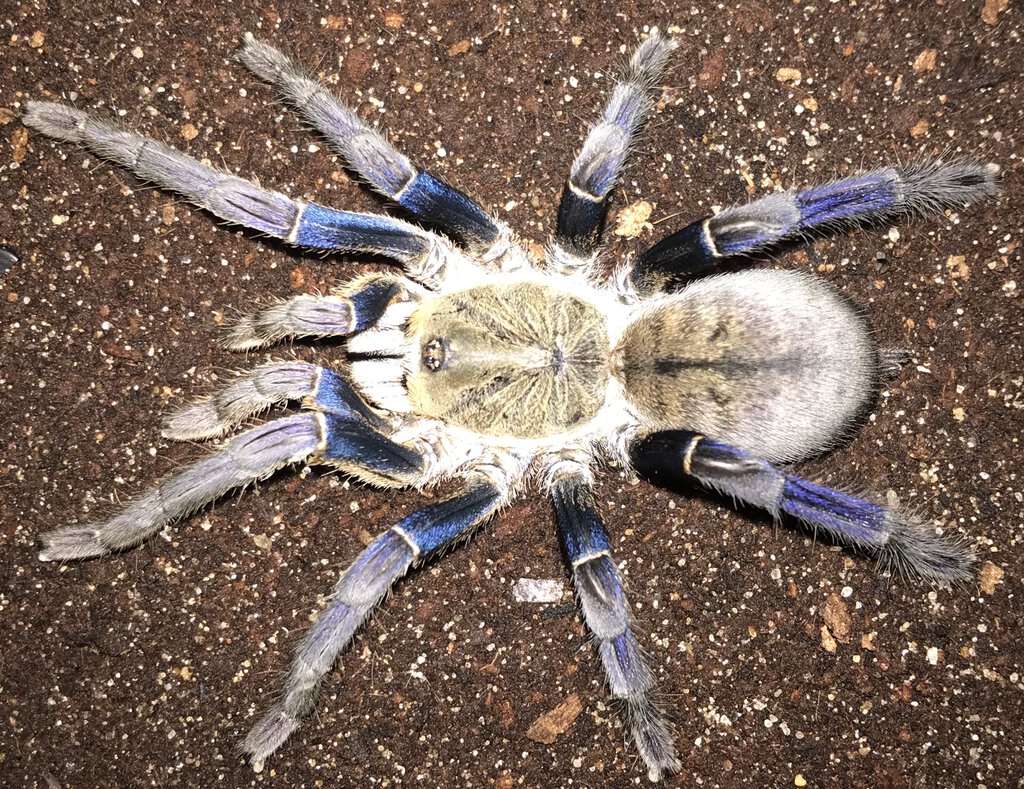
435 354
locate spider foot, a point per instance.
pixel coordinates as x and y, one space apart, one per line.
653 736
72 542
267 736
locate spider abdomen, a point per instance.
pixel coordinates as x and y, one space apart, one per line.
522 359
775 362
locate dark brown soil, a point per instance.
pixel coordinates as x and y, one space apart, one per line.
146 669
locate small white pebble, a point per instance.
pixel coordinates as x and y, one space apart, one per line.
538 590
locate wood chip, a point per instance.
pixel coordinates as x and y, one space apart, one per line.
459 48
549 725
19 145
827 642
925 60
992 9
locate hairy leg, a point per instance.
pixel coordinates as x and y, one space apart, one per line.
606 613
584 204
358 307
897 539
234 199
366 151
339 439
361 588
868 198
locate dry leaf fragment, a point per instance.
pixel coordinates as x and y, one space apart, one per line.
632 219
837 618
991 577
458 48
262 541
919 129
549 725
957 265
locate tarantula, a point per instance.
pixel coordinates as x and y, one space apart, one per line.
480 364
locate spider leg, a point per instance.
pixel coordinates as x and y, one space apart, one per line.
358 307
896 538
365 150
864 199
270 384
584 204
359 590
235 199
324 437
606 613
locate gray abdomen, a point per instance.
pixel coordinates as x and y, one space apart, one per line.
775 362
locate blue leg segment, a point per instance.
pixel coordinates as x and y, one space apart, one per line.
363 452
606 613
368 153
336 396
359 590
271 384
441 205
758 227
319 227
897 539
581 213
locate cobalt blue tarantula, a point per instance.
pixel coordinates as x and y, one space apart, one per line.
480 364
